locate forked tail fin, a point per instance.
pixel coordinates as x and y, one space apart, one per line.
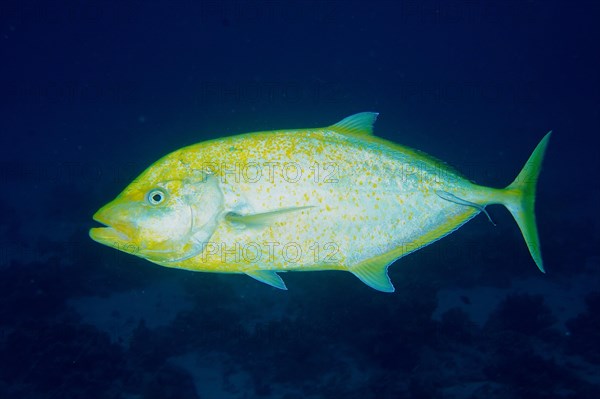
519 199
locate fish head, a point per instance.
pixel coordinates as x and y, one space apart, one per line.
162 217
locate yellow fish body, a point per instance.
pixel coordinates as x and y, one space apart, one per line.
334 198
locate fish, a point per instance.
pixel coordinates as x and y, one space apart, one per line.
331 198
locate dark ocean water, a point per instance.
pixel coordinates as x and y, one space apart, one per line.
91 93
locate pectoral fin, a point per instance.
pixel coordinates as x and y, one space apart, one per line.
262 219
268 277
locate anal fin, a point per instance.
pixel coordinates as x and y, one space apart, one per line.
373 272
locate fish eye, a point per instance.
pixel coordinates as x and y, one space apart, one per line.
156 196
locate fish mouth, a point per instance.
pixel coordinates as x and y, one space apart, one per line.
110 234
106 234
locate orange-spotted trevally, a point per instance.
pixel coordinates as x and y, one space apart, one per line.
333 198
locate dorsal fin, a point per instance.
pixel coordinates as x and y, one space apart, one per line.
358 124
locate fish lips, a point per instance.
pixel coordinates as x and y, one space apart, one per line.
113 234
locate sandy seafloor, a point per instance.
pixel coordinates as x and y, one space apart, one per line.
93 94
